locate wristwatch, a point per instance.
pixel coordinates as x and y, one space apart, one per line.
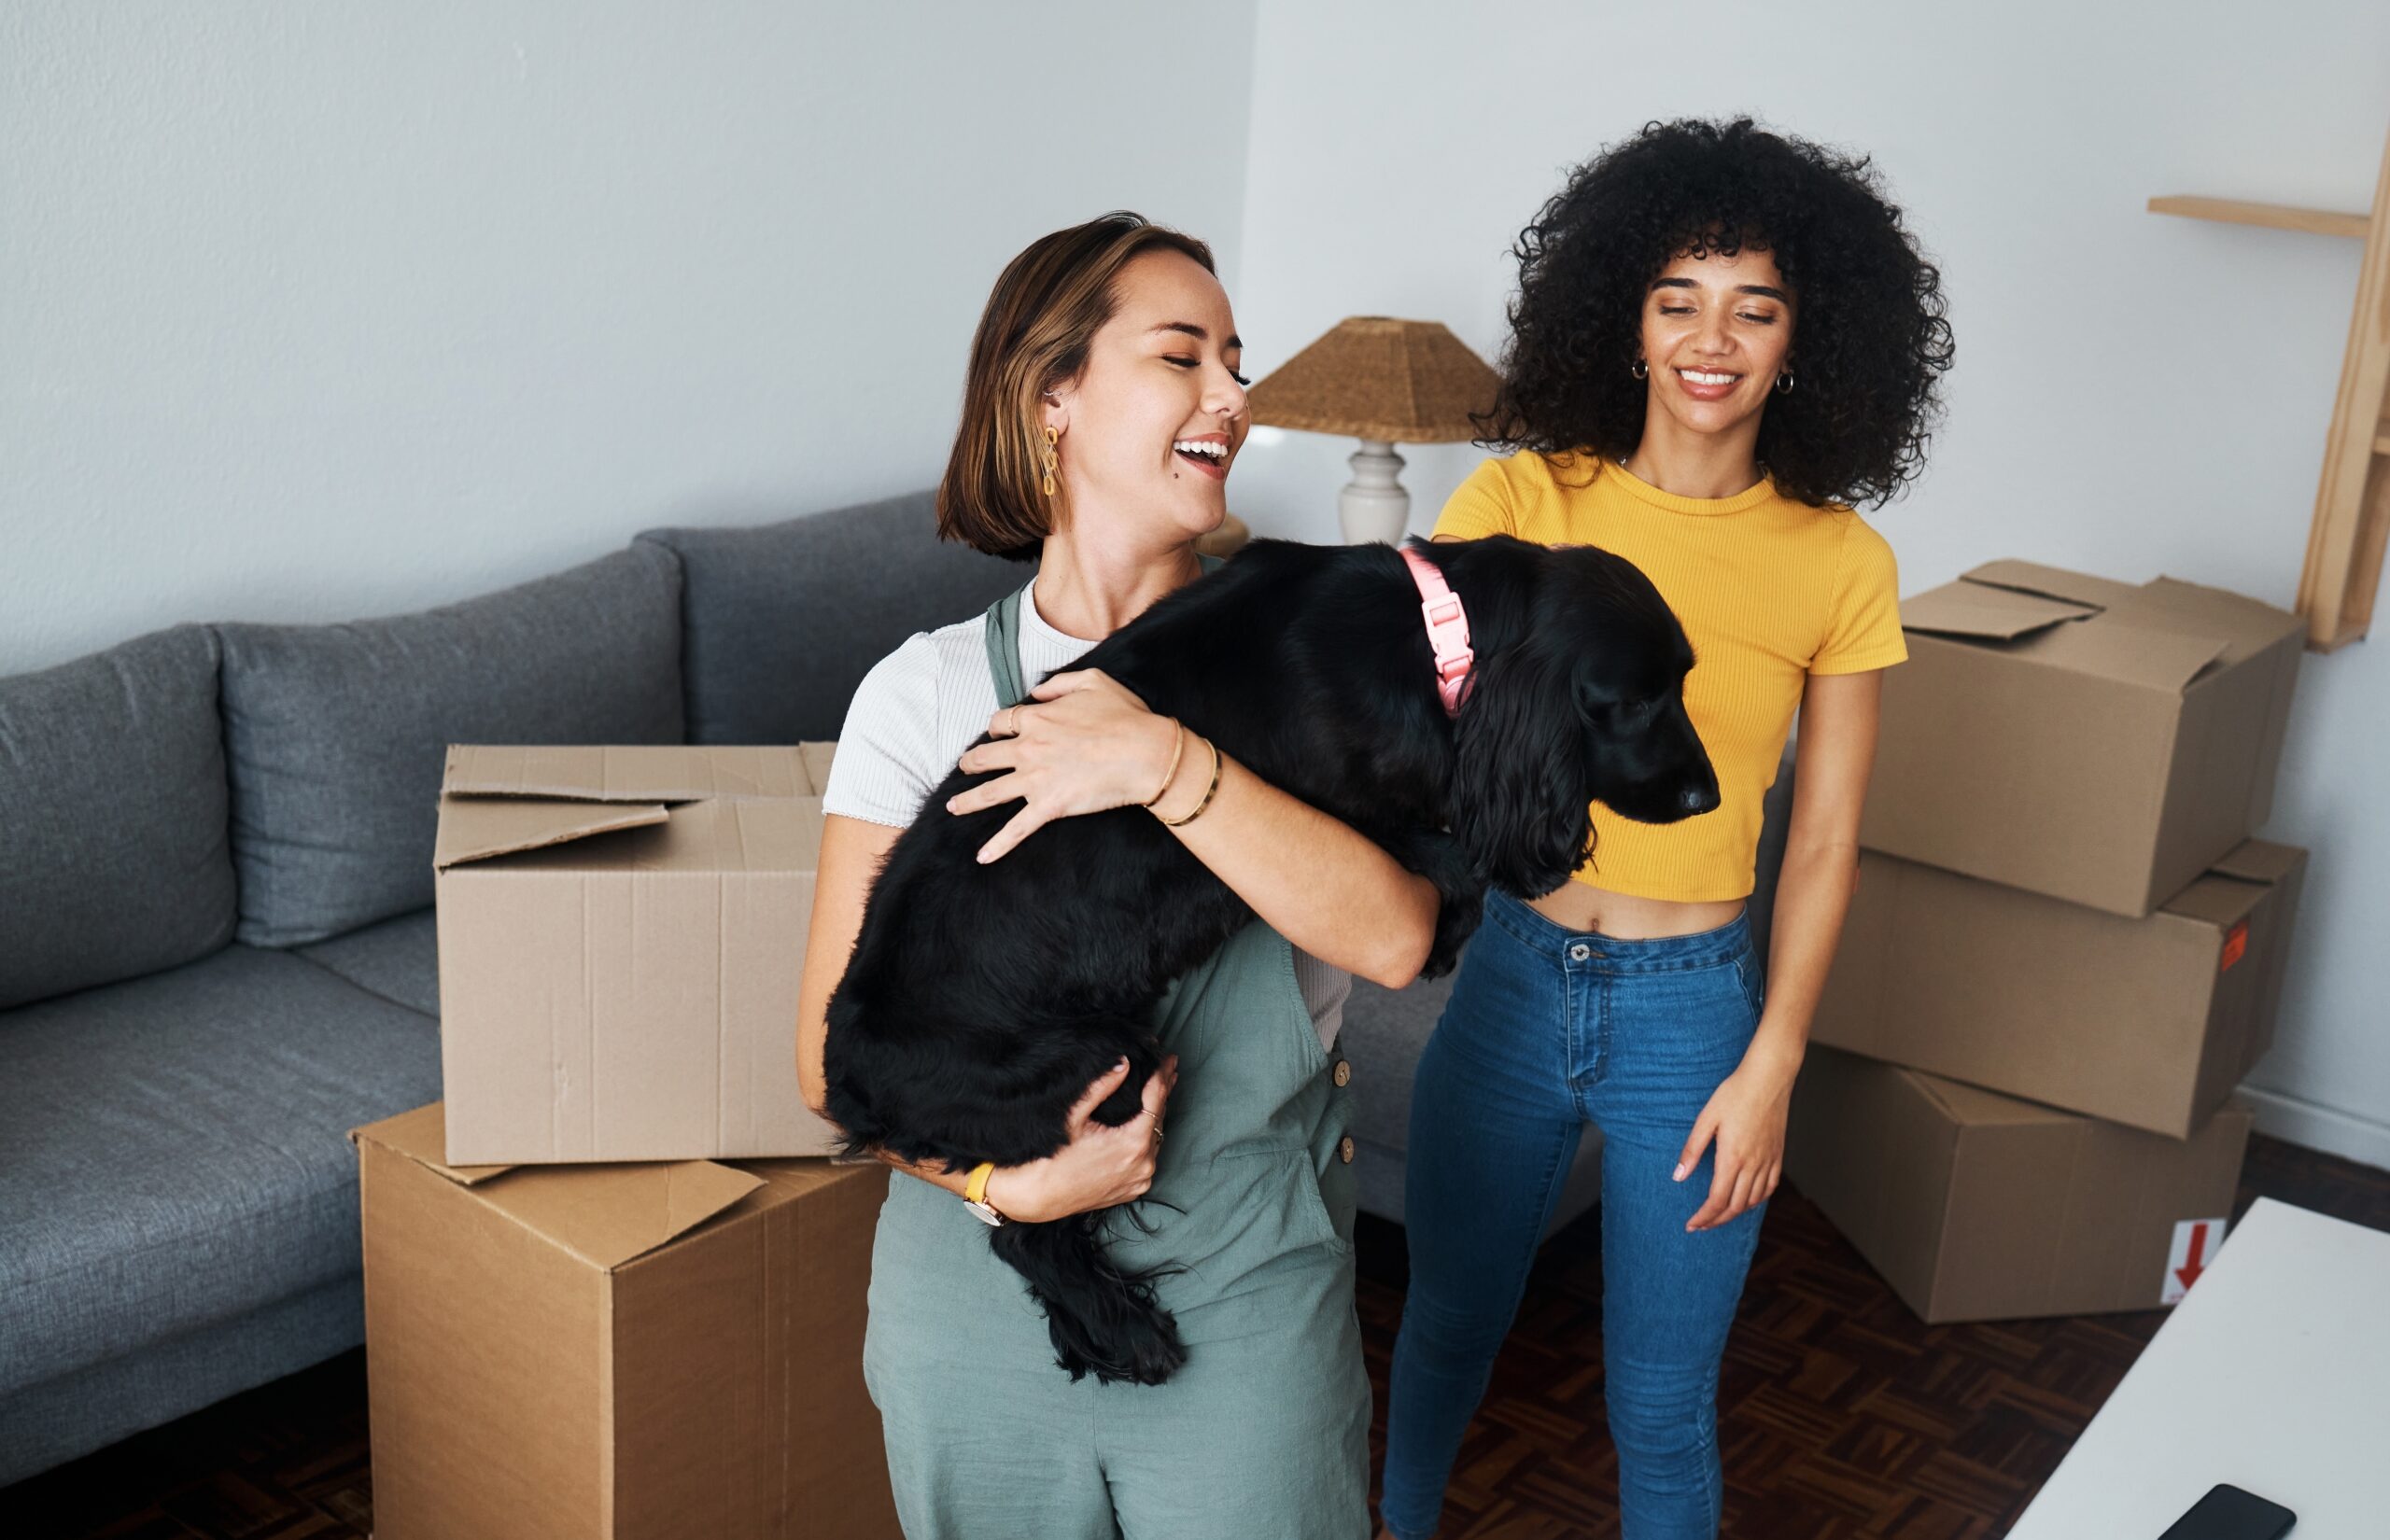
975 1194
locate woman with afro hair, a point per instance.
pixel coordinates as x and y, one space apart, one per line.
1724 340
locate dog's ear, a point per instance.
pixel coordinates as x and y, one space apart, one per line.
1519 770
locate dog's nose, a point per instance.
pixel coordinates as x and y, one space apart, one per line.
1698 799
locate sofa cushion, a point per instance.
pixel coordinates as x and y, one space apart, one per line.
1385 1031
337 732
398 959
783 620
113 861
174 1150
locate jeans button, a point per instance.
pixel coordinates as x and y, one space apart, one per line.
1580 952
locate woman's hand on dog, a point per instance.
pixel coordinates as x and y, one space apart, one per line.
1101 1167
1083 742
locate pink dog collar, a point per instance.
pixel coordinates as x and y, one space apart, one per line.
1447 630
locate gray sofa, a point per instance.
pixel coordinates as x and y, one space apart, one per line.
216 950
216 953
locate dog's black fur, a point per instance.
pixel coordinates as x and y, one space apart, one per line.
981 1000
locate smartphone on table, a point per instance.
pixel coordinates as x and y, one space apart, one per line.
2227 1513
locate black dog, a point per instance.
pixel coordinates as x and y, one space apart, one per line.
953 1038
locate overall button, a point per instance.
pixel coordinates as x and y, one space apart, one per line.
1580 952
1343 1072
1344 1149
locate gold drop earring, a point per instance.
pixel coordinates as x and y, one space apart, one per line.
1052 434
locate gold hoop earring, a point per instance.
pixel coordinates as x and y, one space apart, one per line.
1052 434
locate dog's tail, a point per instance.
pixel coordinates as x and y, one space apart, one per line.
1103 1320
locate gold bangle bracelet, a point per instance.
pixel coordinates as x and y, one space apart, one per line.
1177 753
1208 791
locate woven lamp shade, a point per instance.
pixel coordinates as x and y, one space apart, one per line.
1375 377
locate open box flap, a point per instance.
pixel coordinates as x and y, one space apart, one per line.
628 772
476 829
604 1214
2051 582
2234 884
422 1136
2134 654
1971 609
2260 860
2069 621
708 840
2217 900
608 1214
2247 625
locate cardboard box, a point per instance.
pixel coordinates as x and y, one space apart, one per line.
2086 740
2147 1022
1979 1207
621 935
617 1352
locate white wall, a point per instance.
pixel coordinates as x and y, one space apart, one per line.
311 311
2134 394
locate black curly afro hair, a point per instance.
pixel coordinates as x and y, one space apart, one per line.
1870 343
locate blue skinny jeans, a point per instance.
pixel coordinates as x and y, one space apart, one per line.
1547 1029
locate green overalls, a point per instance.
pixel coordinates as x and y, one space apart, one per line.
1264 1434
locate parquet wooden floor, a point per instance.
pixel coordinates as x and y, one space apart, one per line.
1840 1414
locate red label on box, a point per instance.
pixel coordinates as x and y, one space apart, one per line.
2236 941
2195 1245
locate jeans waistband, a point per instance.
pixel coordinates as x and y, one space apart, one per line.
1616 954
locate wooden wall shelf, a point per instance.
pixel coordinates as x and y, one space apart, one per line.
2347 539
2315 221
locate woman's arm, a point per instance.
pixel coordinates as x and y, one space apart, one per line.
1831 767
852 850
1088 743
1315 880
1832 761
1098 1168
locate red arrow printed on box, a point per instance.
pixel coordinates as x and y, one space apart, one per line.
2193 1265
2196 1246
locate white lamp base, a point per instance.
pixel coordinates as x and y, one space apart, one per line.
1374 506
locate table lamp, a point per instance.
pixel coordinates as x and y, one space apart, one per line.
1385 382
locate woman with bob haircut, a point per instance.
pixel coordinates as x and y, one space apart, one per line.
1102 415
1723 338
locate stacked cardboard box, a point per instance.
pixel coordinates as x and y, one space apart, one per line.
2065 951
621 931
606 1295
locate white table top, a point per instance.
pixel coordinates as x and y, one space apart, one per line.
2273 1374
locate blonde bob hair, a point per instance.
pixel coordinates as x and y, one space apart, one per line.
1040 322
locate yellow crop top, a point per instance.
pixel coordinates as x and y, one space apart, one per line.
1769 591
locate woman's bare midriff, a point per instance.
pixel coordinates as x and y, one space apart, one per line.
1583 907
